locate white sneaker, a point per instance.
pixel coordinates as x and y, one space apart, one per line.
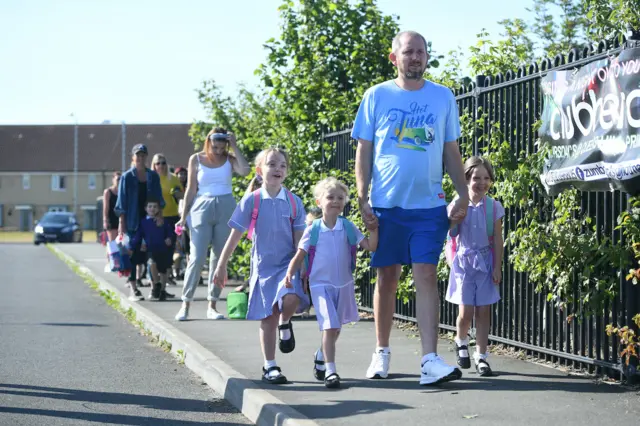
379 367
436 371
183 314
214 315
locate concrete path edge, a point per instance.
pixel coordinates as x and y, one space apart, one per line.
256 404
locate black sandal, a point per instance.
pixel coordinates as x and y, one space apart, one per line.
273 380
332 381
483 368
287 346
318 374
463 361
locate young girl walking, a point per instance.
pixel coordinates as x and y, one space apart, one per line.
475 255
329 246
274 219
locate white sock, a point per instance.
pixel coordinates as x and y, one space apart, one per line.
383 349
285 334
461 342
477 356
269 364
320 357
331 368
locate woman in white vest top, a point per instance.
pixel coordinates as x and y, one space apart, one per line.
208 205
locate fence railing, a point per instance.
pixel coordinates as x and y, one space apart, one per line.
523 318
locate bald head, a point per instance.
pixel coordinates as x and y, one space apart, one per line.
396 44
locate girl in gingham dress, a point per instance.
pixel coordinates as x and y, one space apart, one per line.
330 273
275 237
476 267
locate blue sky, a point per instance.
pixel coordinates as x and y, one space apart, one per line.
140 60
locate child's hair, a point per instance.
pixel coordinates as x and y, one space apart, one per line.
256 182
152 200
327 184
472 163
314 213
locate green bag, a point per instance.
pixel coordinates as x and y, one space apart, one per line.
237 304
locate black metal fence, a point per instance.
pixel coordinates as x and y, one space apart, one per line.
523 318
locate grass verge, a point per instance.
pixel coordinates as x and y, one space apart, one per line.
113 300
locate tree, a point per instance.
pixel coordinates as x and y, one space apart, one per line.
313 78
612 18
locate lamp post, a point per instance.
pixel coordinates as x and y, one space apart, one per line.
75 164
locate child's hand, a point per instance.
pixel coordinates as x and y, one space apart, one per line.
220 276
143 247
497 276
168 242
371 222
287 280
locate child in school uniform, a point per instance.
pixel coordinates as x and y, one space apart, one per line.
156 240
274 219
476 264
329 246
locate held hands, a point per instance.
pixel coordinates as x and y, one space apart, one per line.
369 218
287 280
143 247
168 242
459 210
220 276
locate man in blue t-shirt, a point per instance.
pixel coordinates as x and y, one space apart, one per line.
406 128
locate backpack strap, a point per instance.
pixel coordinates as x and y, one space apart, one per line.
293 206
254 213
490 214
314 234
350 229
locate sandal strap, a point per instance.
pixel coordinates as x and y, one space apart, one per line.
318 362
286 326
482 363
270 369
331 377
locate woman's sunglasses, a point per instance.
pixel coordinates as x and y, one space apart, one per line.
161 163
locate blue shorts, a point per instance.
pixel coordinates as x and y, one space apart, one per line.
410 236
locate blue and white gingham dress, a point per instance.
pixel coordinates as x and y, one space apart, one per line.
271 252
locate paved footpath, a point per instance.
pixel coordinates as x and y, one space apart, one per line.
68 359
523 393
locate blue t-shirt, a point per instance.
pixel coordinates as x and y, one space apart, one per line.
408 130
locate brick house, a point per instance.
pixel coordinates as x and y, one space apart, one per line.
37 162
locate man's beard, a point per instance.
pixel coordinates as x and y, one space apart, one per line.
414 75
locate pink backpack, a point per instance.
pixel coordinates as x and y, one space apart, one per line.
257 198
451 246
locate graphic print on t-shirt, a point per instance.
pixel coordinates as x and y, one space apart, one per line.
413 128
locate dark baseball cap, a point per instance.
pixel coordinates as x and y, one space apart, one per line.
139 148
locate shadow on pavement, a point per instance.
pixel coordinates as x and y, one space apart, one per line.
144 401
72 324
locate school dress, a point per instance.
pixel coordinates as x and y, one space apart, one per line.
271 252
471 276
331 281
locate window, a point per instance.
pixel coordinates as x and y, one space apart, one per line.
58 183
26 181
92 182
57 208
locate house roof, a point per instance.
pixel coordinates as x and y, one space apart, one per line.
49 148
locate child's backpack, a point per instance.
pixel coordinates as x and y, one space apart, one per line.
315 234
237 305
257 198
451 246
